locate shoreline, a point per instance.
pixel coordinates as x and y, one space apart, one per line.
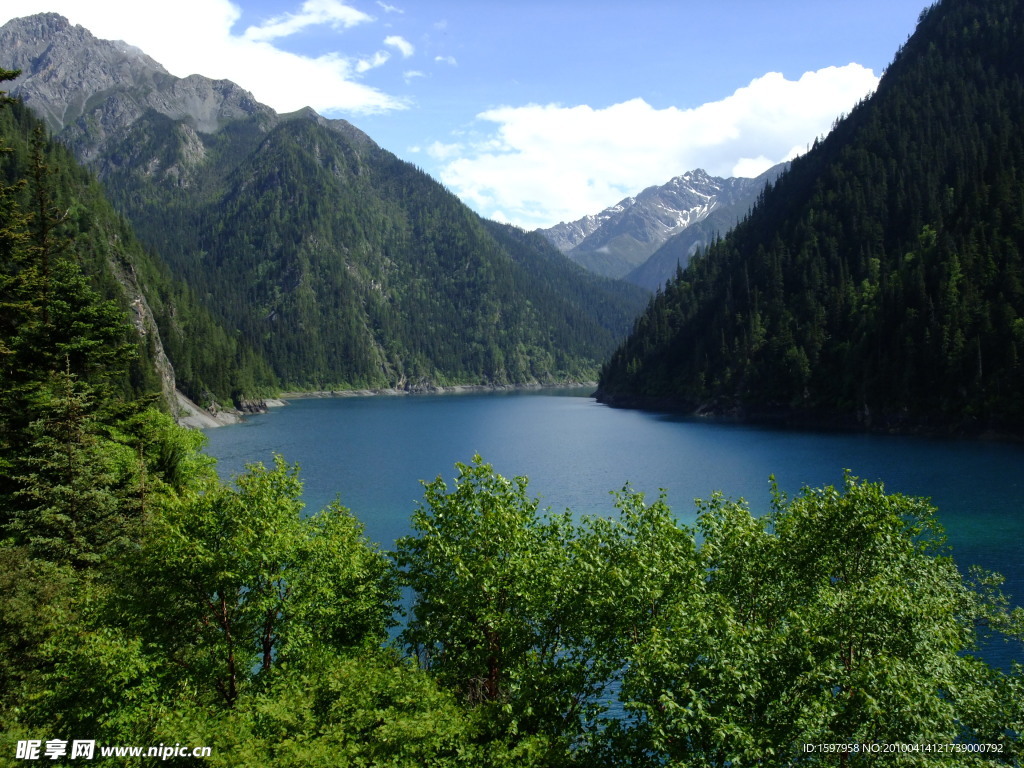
192 416
795 419
455 389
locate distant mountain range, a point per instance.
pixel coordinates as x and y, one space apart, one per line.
331 261
626 240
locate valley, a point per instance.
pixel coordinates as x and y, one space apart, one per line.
498 567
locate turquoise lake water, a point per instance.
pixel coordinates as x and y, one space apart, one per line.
372 453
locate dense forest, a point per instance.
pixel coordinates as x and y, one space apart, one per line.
81 226
346 267
879 281
146 604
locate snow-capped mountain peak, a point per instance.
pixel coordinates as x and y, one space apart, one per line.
623 236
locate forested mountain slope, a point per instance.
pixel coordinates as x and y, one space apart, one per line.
71 226
880 281
340 264
349 267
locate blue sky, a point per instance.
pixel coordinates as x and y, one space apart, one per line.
535 112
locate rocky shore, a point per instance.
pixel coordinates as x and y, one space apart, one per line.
189 414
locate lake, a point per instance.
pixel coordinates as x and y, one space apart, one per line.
372 453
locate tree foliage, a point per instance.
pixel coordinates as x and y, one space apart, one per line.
233 583
498 616
838 617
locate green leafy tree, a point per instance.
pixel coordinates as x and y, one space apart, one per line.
500 606
839 618
366 710
233 583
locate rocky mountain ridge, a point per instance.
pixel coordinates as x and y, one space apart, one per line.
619 241
89 93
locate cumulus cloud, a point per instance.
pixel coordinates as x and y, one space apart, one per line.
446 60
541 164
389 8
196 36
404 46
749 167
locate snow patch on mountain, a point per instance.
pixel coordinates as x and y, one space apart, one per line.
623 236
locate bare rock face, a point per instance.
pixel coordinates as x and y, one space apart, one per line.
90 90
69 66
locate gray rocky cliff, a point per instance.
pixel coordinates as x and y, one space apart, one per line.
89 91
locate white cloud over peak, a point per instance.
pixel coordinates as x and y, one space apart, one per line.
196 36
749 167
541 164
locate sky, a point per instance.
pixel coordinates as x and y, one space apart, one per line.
535 111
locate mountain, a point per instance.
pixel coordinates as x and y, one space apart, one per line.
727 211
90 91
337 263
880 281
618 241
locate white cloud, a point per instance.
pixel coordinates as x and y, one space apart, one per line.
313 13
541 164
389 8
378 59
447 60
440 151
403 45
195 36
749 167
411 75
